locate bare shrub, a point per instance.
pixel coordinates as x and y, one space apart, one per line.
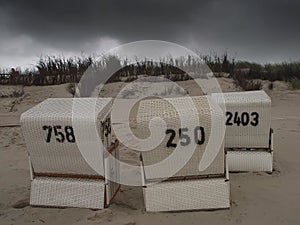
246 84
71 88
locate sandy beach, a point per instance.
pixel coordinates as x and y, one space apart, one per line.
256 198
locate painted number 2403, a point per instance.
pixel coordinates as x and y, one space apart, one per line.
243 119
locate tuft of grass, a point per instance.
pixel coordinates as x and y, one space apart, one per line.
271 86
295 83
246 84
71 88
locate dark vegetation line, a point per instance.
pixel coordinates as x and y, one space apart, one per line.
52 70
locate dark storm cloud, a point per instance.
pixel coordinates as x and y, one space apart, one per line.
255 30
52 20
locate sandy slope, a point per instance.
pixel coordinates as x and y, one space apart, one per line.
257 198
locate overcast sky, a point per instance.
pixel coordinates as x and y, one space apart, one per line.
256 30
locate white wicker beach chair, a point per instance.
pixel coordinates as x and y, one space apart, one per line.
61 175
188 188
249 138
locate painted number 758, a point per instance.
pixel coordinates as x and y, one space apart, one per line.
61 134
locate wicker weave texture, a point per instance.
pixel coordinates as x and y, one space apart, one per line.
77 192
149 109
67 192
249 103
54 156
254 161
187 195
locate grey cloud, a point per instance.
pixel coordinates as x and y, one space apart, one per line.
256 30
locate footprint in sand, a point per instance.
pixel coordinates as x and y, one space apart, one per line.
102 215
21 204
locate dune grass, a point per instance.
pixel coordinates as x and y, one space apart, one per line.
294 83
51 70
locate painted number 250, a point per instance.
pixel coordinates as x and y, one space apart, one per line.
60 135
199 136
